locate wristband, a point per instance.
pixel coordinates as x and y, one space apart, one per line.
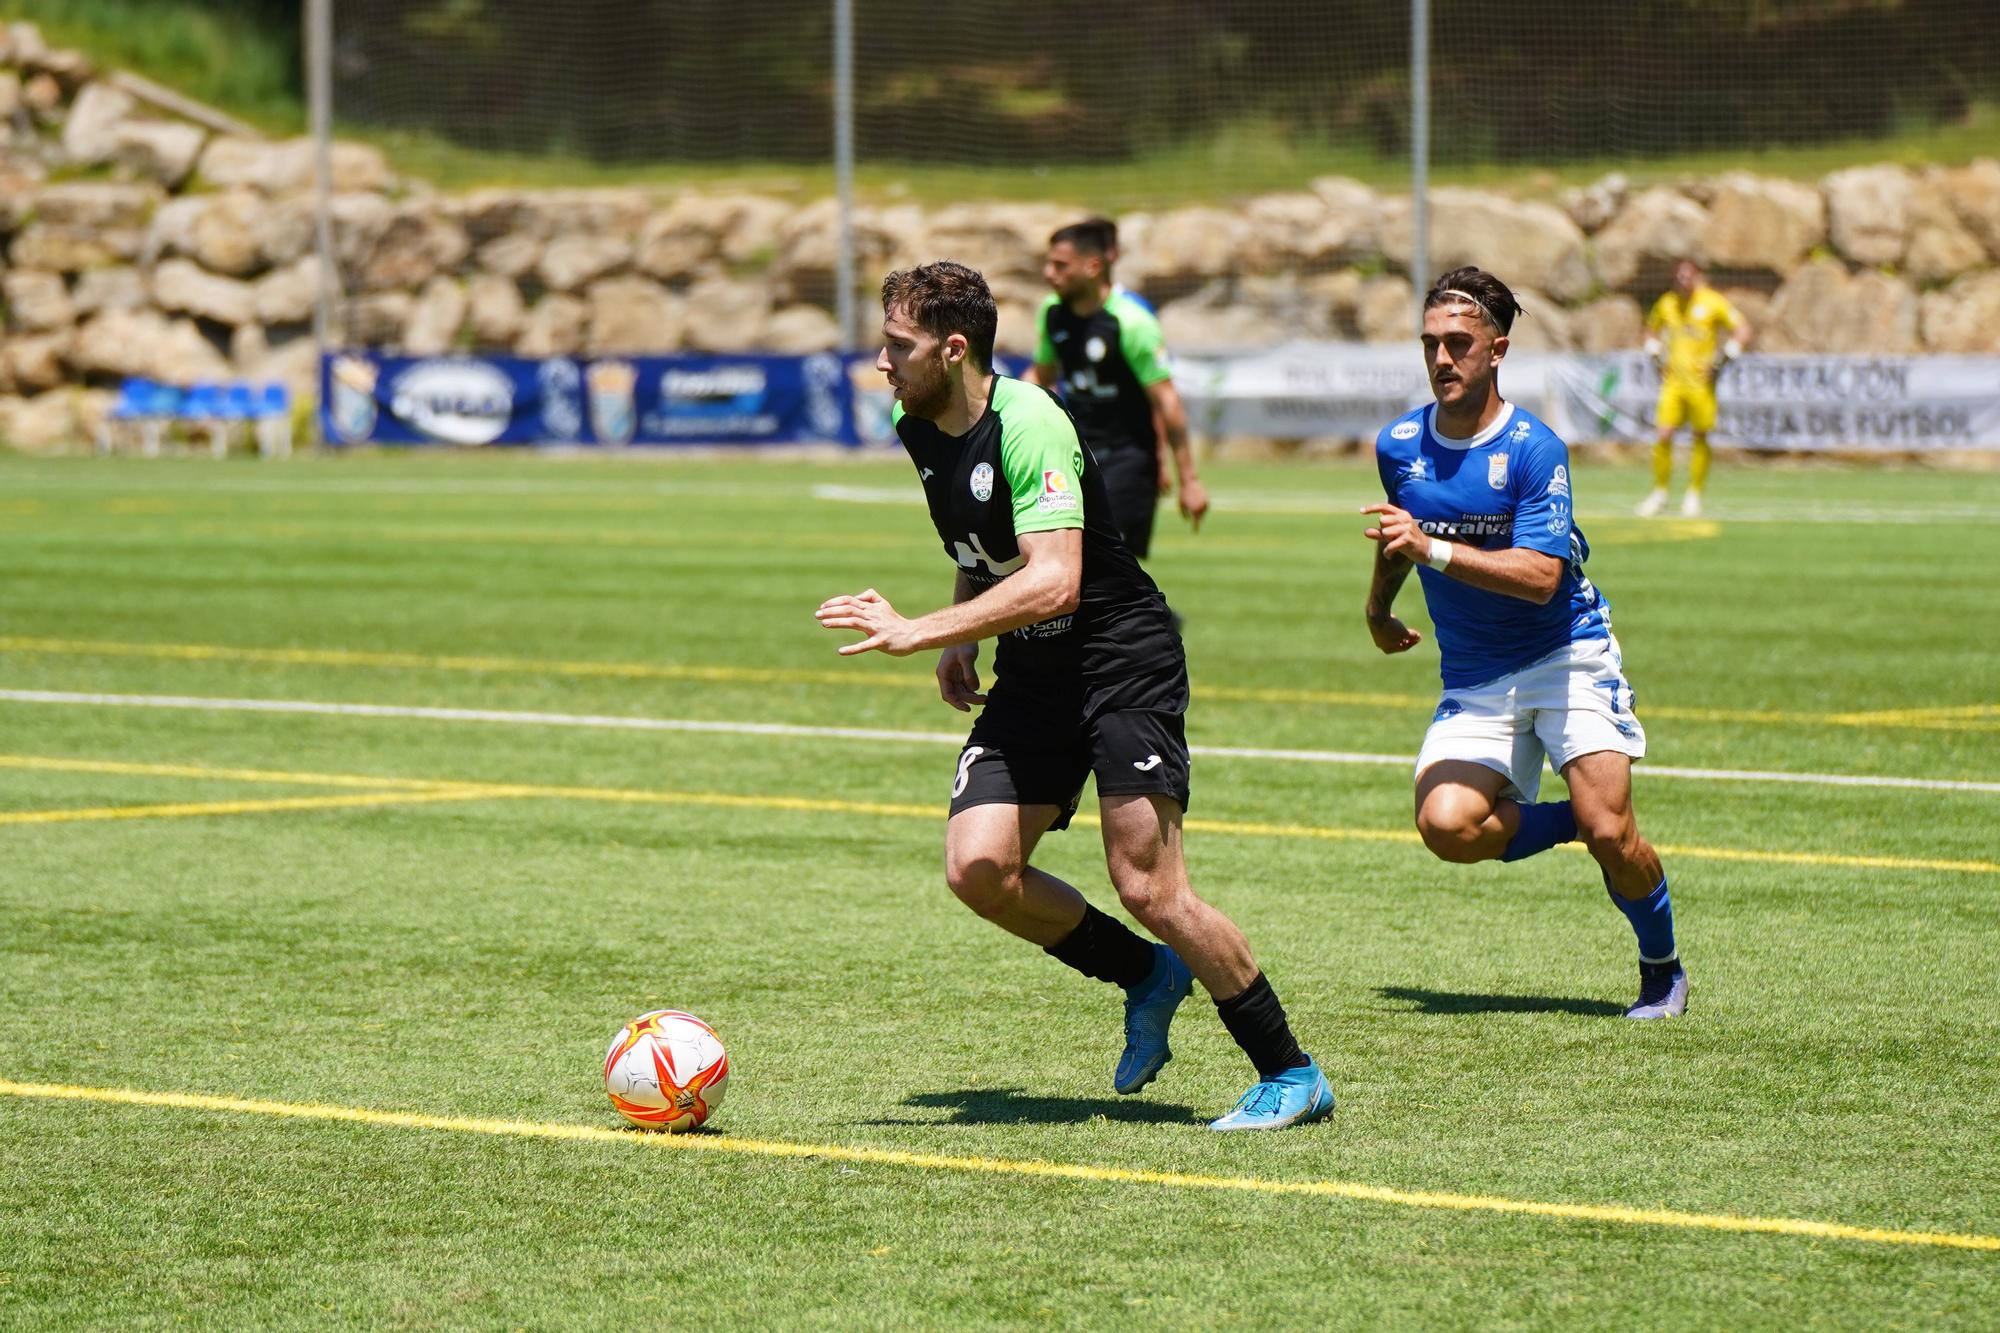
1440 553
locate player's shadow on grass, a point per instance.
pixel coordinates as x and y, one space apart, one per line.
1461 1002
1016 1106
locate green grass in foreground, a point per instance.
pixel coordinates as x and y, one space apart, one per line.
471 959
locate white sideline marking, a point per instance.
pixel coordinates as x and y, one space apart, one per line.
619 723
1275 502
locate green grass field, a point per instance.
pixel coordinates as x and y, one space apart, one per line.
382 954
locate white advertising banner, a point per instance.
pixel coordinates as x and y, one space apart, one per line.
1308 390
1801 402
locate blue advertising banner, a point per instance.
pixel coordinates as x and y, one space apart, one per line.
368 398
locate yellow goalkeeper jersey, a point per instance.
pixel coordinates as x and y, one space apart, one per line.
1691 330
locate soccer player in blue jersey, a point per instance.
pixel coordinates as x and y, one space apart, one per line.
1479 502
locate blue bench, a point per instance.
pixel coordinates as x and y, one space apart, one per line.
151 408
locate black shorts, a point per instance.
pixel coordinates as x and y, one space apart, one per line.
1025 754
1132 485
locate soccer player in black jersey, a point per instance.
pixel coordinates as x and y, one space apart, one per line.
1101 348
1089 678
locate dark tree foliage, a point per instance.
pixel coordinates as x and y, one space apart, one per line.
1051 80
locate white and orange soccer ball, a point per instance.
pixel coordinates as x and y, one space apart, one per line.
666 1070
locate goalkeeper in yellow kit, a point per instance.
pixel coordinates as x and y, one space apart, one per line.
1692 333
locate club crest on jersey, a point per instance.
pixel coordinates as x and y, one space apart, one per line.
982 482
1496 471
1417 470
1056 496
1095 349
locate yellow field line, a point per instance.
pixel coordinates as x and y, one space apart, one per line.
207 809
343 657
1976 717
123 768
461 789
1841 859
1976 714
471 535
1231 827
1112 1175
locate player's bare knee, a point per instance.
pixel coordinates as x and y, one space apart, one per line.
985 884
1613 840
1449 834
1149 897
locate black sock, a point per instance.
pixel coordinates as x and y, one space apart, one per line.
1257 1020
1106 948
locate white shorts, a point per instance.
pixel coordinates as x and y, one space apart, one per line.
1575 701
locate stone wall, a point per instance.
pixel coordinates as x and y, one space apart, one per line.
140 243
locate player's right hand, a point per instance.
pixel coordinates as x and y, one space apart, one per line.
958 677
1391 635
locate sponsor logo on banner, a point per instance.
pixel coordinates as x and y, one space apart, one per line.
1056 495
457 401
729 401
1496 471
1559 481
352 400
1404 430
614 413
559 381
716 391
982 482
823 375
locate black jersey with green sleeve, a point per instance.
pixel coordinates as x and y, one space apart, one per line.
1108 357
1023 469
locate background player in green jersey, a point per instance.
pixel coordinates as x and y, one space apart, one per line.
1101 348
1089 680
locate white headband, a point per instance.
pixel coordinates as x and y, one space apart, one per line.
1477 303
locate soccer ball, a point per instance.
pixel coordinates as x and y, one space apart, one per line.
666 1070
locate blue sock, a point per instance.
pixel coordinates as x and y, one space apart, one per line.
1542 827
1652 919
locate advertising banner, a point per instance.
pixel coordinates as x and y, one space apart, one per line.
1350 391
1325 391
1800 402
367 398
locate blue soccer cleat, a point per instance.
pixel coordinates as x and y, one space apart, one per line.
1149 1009
1663 991
1292 1097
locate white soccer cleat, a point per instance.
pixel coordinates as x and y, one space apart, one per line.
1655 501
1691 505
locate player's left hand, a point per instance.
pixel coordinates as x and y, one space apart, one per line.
1398 533
870 614
1194 502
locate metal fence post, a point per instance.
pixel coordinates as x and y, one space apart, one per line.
319 89
1420 151
843 165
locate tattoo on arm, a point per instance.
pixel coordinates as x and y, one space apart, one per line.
1385 583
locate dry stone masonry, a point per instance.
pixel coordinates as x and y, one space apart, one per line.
138 243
